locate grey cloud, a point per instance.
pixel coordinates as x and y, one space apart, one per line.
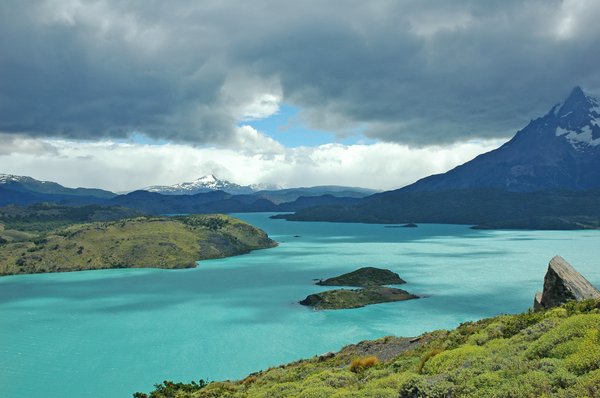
22 145
418 72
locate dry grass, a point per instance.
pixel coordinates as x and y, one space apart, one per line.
360 364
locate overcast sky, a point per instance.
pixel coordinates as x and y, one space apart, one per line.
126 94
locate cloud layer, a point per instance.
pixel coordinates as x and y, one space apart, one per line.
413 72
127 166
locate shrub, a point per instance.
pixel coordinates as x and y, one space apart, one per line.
169 389
558 342
426 357
360 364
467 356
516 323
587 354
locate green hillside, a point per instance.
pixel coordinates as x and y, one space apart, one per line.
555 353
162 242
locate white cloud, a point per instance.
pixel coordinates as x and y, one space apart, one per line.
251 141
262 107
126 166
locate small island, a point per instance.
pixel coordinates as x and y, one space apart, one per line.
370 279
365 276
38 241
355 298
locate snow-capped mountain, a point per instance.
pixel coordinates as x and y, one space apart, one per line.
11 178
560 150
271 192
203 184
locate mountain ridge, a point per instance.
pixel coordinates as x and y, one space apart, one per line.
565 155
22 190
547 176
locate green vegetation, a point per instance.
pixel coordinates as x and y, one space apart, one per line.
355 298
43 217
162 242
366 276
169 389
555 353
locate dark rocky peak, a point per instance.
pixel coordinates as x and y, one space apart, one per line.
563 283
575 101
578 111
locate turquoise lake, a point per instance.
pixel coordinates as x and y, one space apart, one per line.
110 333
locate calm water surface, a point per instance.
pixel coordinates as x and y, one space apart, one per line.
110 333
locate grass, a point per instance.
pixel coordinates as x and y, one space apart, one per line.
161 242
554 353
359 364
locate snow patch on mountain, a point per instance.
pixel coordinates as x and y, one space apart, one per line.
579 120
579 139
206 183
8 178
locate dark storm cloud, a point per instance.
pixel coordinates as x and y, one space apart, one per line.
420 72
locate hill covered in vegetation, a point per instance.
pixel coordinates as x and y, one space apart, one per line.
161 242
552 353
485 208
43 217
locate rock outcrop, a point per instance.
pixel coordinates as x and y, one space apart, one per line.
563 283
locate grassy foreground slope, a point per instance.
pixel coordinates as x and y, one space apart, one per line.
555 353
162 242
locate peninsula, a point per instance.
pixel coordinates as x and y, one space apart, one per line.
154 242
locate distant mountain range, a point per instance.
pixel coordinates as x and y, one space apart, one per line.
205 195
547 176
272 193
26 190
22 183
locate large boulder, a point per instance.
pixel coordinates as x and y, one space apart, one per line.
563 283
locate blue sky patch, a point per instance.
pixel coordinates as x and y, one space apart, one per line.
286 127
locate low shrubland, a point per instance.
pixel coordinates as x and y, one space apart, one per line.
554 353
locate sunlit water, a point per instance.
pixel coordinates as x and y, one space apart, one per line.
110 333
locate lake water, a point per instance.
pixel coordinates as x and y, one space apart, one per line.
110 333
